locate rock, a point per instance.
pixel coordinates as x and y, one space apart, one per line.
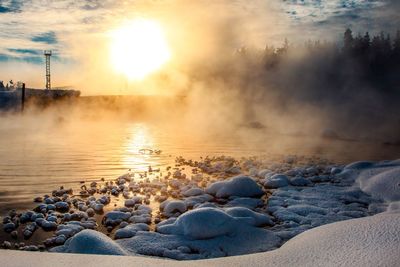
276 181
49 225
171 207
300 181
62 206
193 192
6 245
131 230
258 219
91 242
203 223
9 227
240 186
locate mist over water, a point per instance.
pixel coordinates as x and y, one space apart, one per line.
97 137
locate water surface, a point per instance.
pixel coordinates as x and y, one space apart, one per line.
39 155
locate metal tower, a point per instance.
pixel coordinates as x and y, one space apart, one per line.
47 54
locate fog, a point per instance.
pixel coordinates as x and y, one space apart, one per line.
222 81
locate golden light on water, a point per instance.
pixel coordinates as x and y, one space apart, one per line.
139 48
140 139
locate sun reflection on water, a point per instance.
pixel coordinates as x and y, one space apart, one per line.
139 142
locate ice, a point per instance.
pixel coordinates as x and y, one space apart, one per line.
240 186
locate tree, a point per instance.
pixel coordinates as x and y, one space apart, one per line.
348 40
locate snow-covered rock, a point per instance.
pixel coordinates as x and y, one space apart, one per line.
203 223
240 186
171 207
131 230
90 242
193 192
258 219
276 181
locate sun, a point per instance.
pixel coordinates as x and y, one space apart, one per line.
139 48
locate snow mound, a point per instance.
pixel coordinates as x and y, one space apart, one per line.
370 241
202 223
90 242
240 186
384 186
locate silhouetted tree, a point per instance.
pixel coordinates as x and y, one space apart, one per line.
348 40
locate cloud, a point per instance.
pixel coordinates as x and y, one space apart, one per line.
47 37
76 29
11 6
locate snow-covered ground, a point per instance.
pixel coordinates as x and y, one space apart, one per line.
310 215
370 241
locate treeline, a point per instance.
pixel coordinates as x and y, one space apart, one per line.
365 59
354 84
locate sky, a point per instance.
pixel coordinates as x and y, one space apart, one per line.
77 31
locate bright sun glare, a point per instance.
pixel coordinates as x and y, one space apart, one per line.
139 48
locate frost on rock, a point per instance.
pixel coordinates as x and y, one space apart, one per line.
240 186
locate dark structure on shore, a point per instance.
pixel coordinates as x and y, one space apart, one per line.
14 96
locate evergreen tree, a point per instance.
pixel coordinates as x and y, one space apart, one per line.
348 40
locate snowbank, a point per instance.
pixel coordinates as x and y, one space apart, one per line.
384 185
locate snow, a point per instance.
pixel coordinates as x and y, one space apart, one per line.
240 186
172 207
200 233
369 241
276 181
258 219
193 192
91 242
384 186
246 202
131 230
203 223
323 216
116 217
